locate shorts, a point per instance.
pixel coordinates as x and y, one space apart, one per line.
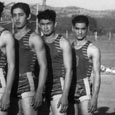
54 88
26 85
2 81
82 90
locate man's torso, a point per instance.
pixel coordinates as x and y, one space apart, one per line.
25 56
56 68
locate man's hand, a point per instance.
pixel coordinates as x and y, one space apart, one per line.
37 101
5 102
63 104
92 107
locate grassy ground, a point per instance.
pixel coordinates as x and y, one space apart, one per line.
107 48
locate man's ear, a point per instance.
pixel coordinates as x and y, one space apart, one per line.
72 28
55 24
38 24
88 28
29 17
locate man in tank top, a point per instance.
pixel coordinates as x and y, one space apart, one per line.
7 66
87 60
29 48
59 59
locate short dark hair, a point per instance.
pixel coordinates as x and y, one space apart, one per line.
1 8
25 7
80 19
47 14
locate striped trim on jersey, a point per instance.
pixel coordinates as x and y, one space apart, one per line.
3 59
57 45
84 50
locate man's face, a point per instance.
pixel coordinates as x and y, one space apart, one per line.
19 18
80 30
47 26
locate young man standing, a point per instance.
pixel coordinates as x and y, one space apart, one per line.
29 48
87 61
59 58
7 66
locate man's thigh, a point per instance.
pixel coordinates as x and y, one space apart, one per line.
84 107
2 112
27 107
54 102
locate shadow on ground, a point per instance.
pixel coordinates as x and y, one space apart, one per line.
101 111
104 111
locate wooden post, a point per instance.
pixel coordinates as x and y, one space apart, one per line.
95 36
110 35
12 27
37 9
44 5
67 34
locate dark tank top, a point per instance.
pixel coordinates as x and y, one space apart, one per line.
55 67
3 59
83 64
55 58
25 57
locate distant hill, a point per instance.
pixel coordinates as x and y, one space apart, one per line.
72 10
69 11
101 21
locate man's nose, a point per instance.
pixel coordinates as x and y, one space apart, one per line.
80 31
17 18
45 26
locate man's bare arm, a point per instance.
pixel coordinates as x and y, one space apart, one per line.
8 50
96 58
67 57
10 53
41 56
39 48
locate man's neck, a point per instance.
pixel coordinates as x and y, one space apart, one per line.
80 43
21 32
50 38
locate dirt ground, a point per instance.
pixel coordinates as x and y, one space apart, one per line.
106 101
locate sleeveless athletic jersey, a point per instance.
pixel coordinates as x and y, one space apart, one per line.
25 56
3 59
55 66
83 63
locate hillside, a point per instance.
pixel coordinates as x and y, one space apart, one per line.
69 11
101 21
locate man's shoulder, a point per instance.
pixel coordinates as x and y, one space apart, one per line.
92 48
35 38
63 38
64 42
4 32
6 35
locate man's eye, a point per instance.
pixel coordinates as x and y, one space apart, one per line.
14 15
21 14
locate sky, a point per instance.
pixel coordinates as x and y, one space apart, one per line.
88 4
